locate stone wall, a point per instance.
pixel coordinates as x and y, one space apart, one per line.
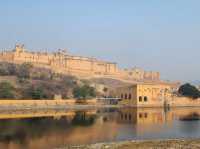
184 102
37 104
62 62
144 94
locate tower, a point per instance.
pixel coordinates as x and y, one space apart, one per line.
19 48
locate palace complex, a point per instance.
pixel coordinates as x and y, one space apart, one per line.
62 62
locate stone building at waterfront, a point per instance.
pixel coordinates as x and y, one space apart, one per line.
62 62
145 94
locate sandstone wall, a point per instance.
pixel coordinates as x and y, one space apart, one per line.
61 62
184 102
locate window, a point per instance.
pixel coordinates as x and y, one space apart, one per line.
125 96
122 96
140 115
145 115
129 97
145 99
140 99
125 117
122 116
129 117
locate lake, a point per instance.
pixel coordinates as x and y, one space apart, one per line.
44 129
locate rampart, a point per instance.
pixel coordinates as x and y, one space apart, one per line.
62 62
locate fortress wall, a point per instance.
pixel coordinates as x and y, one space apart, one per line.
151 75
60 62
7 56
31 57
78 64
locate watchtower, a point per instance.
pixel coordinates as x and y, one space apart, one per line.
19 48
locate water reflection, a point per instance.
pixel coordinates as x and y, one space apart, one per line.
49 129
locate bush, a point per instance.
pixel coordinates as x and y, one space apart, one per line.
84 92
24 70
7 69
189 91
36 93
6 90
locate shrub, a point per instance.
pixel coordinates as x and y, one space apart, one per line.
84 92
24 70
36 92
189 91
6 90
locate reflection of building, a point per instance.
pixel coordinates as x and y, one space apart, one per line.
141 116
151 116
144 94
62 62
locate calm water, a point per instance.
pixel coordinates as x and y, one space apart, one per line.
50 129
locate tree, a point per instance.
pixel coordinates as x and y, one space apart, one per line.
25 70
4 69
6 90
38 93
34 92
189 91
84 92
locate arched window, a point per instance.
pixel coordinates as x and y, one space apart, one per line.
122 96
125 116
129 96
122 116
140 99
129 117
125 96
145 99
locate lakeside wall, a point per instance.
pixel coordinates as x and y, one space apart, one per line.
173 102
10 103
184 102
41 103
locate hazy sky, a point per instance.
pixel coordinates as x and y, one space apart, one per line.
161 35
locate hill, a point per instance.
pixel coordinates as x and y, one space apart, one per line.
25 81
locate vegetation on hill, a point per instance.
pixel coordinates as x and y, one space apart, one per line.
83 92
189 90
7 90
39 83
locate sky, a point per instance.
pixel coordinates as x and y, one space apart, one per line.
151 34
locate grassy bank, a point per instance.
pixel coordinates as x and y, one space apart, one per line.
152 144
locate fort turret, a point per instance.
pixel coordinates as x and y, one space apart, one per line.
19 48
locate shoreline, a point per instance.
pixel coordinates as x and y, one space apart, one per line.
182 143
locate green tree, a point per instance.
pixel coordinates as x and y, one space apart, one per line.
34 92
189 91
38 93
3 69
84 92
6 90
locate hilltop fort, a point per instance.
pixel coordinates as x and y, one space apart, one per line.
62 62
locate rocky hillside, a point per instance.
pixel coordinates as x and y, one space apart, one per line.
28 82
